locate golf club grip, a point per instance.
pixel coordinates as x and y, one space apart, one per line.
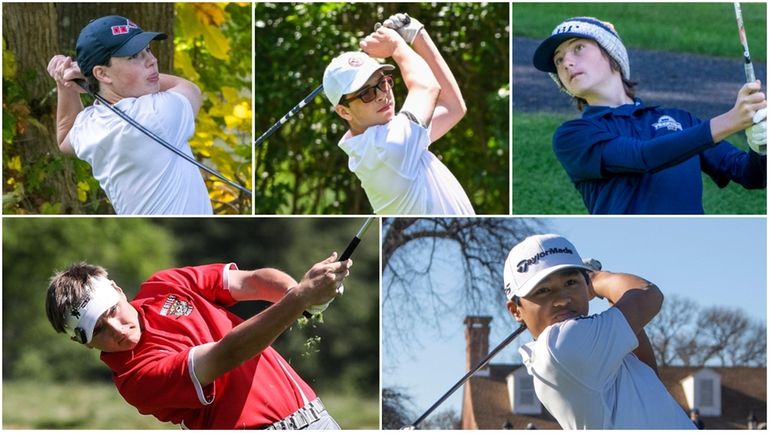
350 248
82 83
748 66
478 367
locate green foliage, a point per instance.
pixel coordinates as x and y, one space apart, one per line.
698 28
301 170
32 250
211 46
542 187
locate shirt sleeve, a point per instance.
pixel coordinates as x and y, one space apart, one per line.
167 114
207 281
400 143
727 163
592 348
588 151
162 380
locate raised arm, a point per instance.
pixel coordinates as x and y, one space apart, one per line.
423 88
251 337
265 284
638 300
450 106
186 88
68 105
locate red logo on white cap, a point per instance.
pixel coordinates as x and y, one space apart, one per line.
355 62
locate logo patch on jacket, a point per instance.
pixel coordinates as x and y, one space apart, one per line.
667 122
175 307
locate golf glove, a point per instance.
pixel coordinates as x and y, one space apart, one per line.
318 309
405 25
757 134
593 264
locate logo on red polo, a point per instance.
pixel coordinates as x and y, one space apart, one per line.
123 28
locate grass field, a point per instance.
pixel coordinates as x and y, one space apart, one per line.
547 190
698 28
34 405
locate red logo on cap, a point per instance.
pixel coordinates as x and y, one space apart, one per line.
355 62
124 28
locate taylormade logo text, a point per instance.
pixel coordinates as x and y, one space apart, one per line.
523 266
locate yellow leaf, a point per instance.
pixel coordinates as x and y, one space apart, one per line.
232 121
216 42
210 13
183 63
242 111
15 163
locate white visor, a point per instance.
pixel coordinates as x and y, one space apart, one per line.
100 297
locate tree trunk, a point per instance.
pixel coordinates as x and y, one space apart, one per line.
34 32
30 32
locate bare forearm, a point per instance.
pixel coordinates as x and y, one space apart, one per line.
262 284
450 96
68 106
638 299
644 351
186 88
725 125
248 339
415 70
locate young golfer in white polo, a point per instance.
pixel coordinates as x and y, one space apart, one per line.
590 372
388 151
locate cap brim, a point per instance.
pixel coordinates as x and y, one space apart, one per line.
543 58
137 43
536 279
363 77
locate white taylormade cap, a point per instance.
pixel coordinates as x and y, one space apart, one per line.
349 72
100 297
534 259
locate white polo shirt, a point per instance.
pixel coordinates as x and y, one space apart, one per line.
139 175
400 175
587 377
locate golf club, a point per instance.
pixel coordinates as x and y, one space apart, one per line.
288 115
350 248
82 83
460 382
747 65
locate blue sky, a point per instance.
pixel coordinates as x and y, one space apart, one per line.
710 260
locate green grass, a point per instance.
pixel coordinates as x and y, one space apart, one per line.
35 405
542 187
540 184
698 28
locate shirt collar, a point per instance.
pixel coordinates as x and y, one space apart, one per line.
622 110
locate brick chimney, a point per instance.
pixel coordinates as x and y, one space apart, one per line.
476 341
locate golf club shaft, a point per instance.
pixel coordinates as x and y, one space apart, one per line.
350 248
356 240
158 139
748 67
288 115
481 365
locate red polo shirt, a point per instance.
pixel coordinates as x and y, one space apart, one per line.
180 309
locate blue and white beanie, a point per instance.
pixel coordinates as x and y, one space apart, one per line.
602 32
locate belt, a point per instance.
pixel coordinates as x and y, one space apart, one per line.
302 418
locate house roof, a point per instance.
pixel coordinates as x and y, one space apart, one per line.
744 389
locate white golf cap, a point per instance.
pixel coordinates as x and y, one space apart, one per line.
100 297
534 259
349 72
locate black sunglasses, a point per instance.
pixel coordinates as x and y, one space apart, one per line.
369 93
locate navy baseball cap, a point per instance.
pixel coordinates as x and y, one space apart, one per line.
110 36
